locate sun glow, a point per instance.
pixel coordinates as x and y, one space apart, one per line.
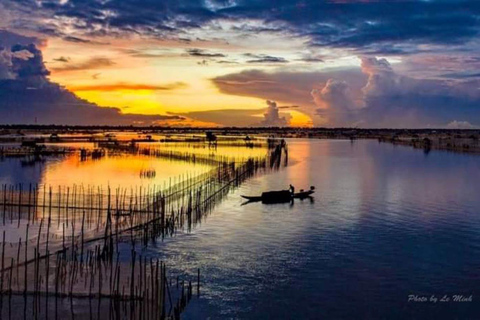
156 77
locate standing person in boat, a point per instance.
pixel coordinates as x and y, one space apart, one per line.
292 190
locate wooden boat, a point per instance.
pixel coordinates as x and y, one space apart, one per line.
281 196
303 194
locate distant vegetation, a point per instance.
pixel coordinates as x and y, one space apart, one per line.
458 140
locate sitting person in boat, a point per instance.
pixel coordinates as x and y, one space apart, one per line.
292 189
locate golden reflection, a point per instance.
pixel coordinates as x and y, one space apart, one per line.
237 152
124 171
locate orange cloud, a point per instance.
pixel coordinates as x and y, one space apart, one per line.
129 86
92 63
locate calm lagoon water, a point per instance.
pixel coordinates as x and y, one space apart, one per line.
386 222
118 170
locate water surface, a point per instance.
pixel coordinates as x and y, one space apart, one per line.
386 222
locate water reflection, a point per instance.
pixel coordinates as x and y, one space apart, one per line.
386 222
13 172
119 168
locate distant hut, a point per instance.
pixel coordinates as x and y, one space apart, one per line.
29 143
211 138
54 137
427 143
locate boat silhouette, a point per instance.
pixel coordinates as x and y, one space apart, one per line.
281 196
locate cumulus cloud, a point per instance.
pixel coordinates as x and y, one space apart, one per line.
381 78
335 102
337 94
461 125
288 87
400 101
272 116
374 95
295 88
389 99
23 62
23 54
28 65
6 65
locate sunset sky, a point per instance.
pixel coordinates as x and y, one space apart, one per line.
241 63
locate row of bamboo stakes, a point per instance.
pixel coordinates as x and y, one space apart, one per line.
86 246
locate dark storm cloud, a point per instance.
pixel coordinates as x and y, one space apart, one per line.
372 25
30 68
357 24
146 17
9 39
51 104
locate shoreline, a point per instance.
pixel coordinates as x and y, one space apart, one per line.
454 140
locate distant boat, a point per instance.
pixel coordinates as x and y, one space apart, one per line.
281 196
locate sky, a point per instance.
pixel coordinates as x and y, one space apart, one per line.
330 63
